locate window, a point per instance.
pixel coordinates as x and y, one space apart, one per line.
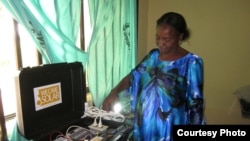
13 54
17 49
8 61
87 27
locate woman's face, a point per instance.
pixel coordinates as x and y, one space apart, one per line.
167 38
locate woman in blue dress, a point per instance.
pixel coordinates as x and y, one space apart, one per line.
166 87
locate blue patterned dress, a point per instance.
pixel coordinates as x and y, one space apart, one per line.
166 93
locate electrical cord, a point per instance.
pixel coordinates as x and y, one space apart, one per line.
92 112
95 112
88 135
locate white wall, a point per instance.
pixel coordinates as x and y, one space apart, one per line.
220 35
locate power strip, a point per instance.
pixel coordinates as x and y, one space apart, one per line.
78 134
97 129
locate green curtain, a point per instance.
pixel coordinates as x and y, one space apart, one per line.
112 47
53 25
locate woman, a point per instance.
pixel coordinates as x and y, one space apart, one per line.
166 88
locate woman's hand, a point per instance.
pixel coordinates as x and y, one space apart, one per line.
109 101
112 98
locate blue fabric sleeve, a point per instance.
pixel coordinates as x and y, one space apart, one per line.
195 103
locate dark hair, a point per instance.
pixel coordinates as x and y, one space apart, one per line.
177 21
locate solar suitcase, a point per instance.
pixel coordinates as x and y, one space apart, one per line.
49 98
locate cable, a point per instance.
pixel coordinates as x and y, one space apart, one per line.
95 122
60 135
100 122
95 112
80 130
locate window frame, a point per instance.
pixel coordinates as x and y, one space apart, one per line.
18 50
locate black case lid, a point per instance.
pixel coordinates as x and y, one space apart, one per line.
51 97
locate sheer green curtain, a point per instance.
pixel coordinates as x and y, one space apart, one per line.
112 47
54 26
